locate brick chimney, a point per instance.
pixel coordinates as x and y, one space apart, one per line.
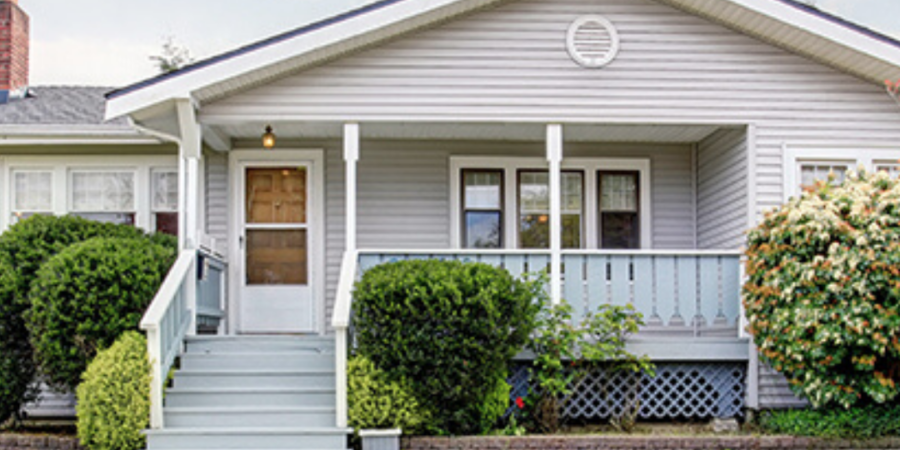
14 42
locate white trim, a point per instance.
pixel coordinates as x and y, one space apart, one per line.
511 165
854 159
351 157
61 167
554 158
237 161
386 22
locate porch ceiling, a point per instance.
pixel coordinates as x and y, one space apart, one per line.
672 134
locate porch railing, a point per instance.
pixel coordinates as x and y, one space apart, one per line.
167 322
692 295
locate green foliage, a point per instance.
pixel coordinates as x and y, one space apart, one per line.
376 402
85 297
565 351
450 328
866 422
23 249
114 396
823 291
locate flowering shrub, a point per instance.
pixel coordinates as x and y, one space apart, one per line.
823 291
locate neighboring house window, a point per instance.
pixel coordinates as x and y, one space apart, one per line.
105 196
32 193
482 208
619 209
814 171
164 201
892 168
534 208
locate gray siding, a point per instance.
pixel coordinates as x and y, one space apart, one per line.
217 199
722 190
774 391
51 405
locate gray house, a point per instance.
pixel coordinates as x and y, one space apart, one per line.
622 145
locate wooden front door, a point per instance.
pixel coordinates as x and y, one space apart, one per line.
276 296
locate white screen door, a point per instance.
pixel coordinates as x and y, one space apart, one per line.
276 296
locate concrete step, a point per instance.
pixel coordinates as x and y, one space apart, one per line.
246 438
257 361
250 344
232 417
255 379
246 397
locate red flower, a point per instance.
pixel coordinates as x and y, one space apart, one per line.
520 403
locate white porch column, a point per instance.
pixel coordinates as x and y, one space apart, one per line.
189 152
554 157
351 156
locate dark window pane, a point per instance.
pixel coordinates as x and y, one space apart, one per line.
571 231
534 231
167 223
619 230
483 229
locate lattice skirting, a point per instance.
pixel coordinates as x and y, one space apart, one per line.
678 391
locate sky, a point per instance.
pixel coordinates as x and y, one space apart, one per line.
109 42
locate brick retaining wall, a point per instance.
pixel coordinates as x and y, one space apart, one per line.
32 442
640 443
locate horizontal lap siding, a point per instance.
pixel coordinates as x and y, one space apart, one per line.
509 64
217 199
722 193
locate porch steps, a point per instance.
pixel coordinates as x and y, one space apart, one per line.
252 392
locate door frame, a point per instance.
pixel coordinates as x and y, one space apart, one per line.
237 161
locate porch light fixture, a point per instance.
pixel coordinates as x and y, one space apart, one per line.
268 138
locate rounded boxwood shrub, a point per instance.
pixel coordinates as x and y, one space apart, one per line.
86 296
450 328
114 396
376 402
23 249
823 291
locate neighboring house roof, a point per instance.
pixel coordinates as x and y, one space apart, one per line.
58 114
784 23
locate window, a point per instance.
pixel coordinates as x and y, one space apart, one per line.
32 193
105 196
482 208
892 168
619 212
164 201
812 172
534 208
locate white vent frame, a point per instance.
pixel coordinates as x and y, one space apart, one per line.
577 53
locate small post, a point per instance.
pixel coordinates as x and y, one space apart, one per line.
340 358
154 344
554 157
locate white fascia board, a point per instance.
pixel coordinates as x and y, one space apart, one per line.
184 85
816 25
8 141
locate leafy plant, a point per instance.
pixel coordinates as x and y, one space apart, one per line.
865 422
23 249
374 401
85 297
823 291
450 328
566 351
114 398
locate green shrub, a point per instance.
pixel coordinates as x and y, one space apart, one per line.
374 401
23 248
85 297
114 396
448 327
866 422
823 291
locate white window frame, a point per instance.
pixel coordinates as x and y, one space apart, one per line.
62 165
154 210
510 167
854 158
70 189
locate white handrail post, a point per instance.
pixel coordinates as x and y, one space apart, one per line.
340 357
190 150
554 157
154 351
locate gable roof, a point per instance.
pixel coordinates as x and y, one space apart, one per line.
784 23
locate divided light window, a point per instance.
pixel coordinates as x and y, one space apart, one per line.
482 208
164 201
534 208
619 209
104 196
811 172
32 193
892 168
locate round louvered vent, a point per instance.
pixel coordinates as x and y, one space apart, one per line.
592 41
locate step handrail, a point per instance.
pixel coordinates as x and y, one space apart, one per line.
167 322
340 321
